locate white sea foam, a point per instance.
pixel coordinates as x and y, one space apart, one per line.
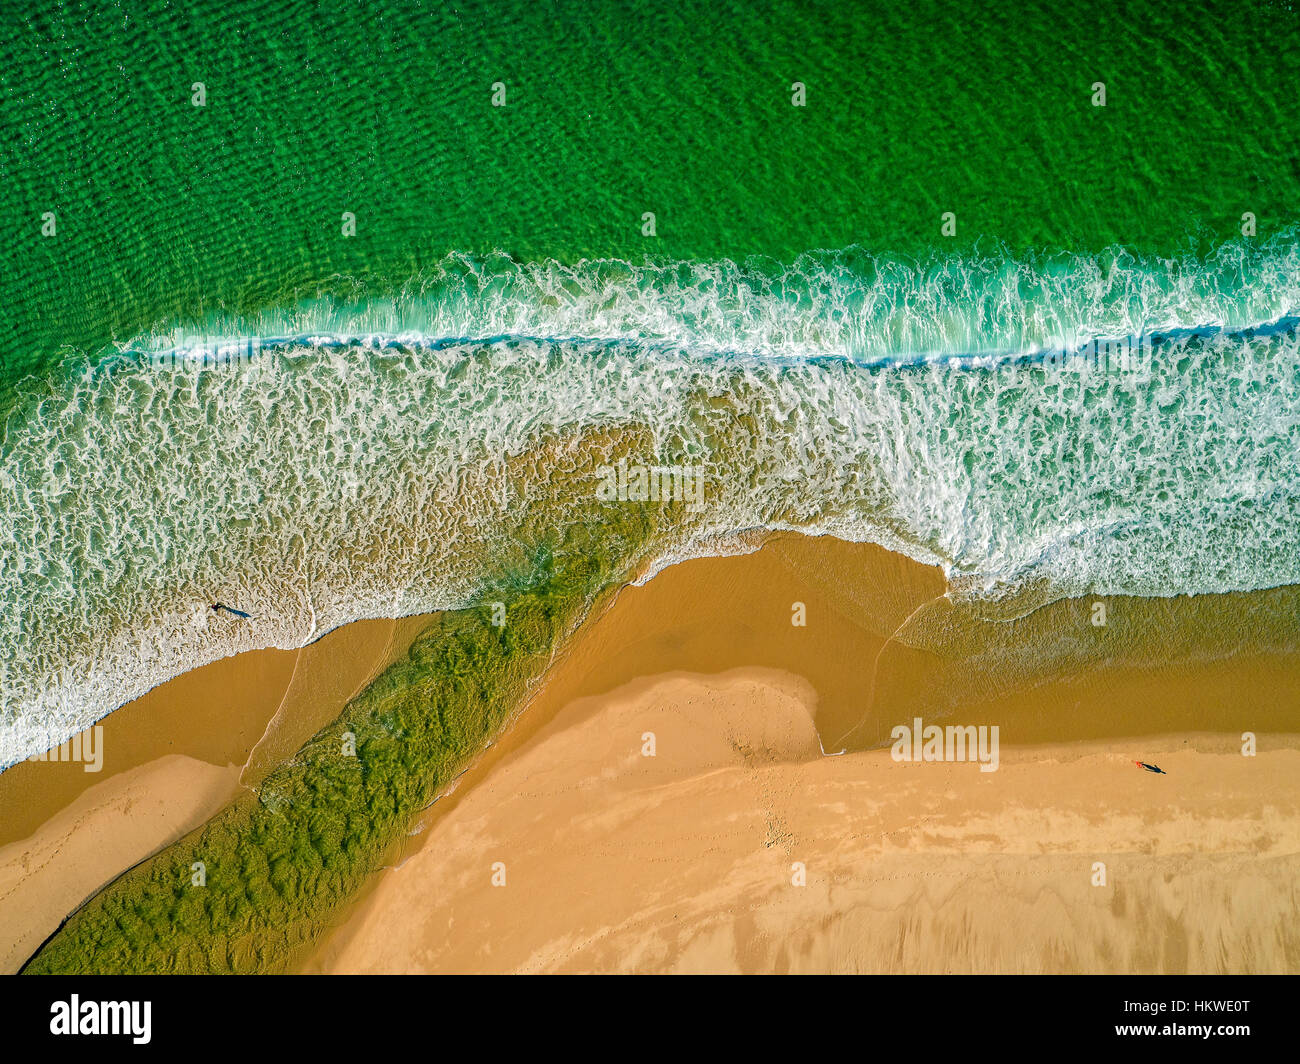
843 302
371 468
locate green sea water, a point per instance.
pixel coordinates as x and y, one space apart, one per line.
799 160
166 211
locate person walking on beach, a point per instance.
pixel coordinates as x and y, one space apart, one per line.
218 607
1151 768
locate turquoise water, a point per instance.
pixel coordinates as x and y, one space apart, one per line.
799 329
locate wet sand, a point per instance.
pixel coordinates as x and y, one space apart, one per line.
215 714
859 679
172 759
108 828
879 643
713 615
579 853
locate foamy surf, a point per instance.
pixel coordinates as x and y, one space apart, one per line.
336 461
844 302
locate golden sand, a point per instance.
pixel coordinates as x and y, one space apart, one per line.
685 861
214 714
108 828
1073 735
682 862
172 759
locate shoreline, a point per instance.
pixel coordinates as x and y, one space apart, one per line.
174 758
703 617
221 713
680 621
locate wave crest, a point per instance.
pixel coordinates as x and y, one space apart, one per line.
364 461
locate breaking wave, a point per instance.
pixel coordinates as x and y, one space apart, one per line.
363 457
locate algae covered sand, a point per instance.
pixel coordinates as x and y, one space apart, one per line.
260 881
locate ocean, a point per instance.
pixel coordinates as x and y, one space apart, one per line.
949 304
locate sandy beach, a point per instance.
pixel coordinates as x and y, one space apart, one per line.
684 862
615 861
108 828
172 759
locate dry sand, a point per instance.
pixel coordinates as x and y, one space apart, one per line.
1205 853
683 862
108 828
172 759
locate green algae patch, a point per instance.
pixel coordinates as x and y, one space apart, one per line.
257 884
